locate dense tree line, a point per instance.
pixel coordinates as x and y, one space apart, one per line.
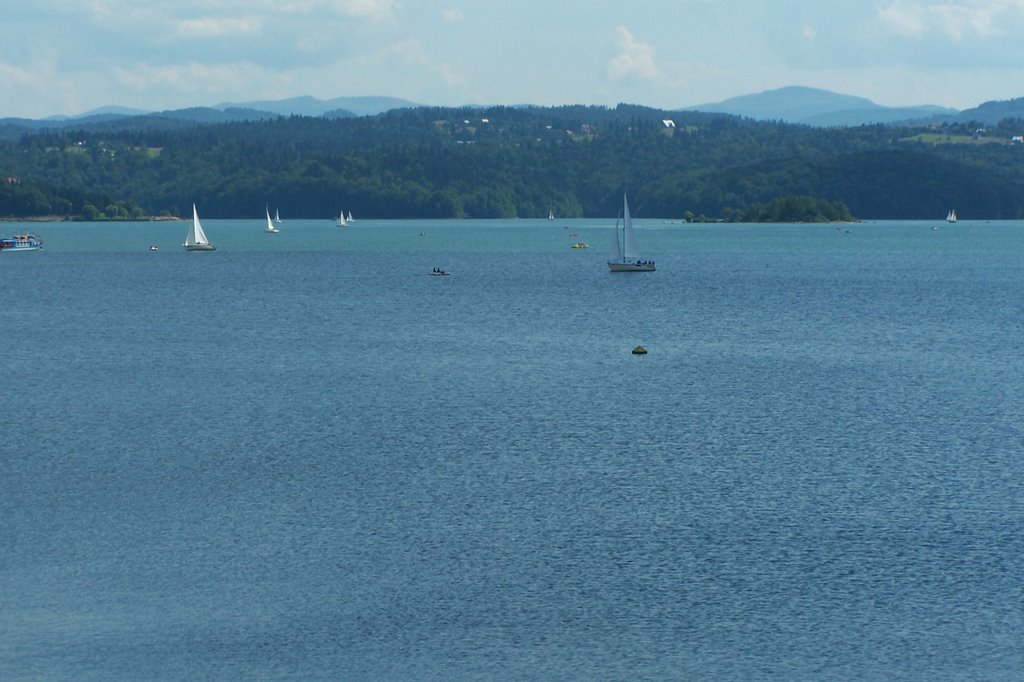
507 162
791 209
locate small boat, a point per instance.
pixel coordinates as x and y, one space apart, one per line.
196 239
581 245
277 216
21 242
154 247
438 272
625 256
350 218
551 215
951 216
342 222
270 224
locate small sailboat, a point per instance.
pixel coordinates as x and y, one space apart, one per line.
342 222
551 215
350 218
196 239
625 255
951 216
270 224
277 216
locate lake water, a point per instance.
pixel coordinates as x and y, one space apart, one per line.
302 457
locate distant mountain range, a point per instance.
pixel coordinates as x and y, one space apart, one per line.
794 104
294 106
311 106
822 108
123 117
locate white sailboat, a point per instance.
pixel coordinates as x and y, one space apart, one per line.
341 220
551 215
625 256
277 216
951 216
350 218
196 239
270 224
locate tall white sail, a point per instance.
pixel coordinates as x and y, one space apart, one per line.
616 254
341 219
631 250
196 236
270 223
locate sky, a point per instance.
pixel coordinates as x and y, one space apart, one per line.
67 57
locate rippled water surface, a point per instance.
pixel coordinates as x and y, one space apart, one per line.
302 457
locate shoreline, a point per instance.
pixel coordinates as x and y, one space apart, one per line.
65 219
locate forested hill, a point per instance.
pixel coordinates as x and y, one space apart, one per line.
507 162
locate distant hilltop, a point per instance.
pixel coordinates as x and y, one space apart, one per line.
821 108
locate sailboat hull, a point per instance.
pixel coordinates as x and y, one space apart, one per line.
631 267
200 247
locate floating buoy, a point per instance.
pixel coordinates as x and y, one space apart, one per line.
639 350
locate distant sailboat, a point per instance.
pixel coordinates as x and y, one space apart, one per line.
277 216
551 215
341 220
625 256
196 239
951 216
350 218
270 224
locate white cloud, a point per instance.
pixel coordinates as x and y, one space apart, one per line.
189 79
635 61
905 20
956 21
412 57
452 15
210 27
104 12
951 19
15 75
370 9
450 77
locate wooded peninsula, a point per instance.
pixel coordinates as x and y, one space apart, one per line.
506 162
